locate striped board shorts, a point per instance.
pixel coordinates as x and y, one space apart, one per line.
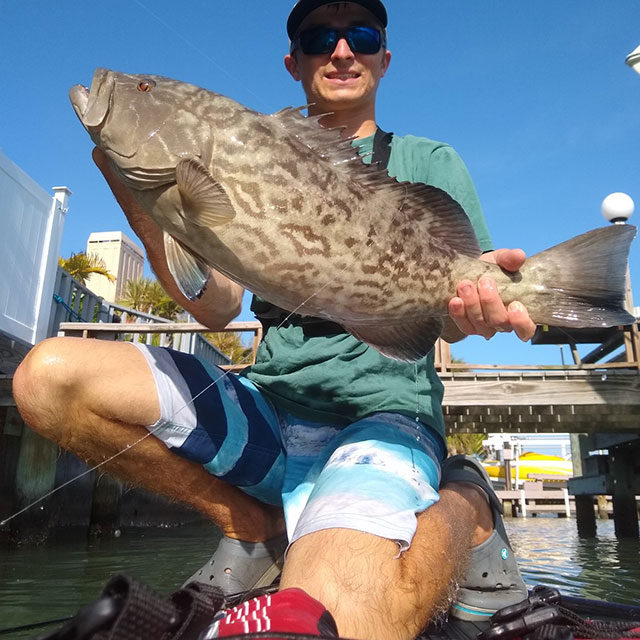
373 475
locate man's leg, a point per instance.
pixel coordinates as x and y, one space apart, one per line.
95 398
375 592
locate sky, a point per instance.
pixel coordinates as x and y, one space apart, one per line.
535 97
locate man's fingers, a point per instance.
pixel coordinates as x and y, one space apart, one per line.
510 259
493 310
458 315
520 321
479 310
473 321
468 293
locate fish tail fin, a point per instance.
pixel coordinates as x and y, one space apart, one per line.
587 277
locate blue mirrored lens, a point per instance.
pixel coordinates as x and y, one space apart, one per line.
363 39
324 40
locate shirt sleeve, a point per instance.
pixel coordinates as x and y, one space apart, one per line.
447 171
419 159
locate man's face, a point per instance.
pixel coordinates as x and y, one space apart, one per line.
342 79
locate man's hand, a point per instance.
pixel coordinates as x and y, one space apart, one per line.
478 308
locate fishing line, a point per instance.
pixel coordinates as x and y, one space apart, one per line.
115 455
200 52
150 432
213 382
153 431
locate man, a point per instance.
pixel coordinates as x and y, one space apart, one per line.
322 424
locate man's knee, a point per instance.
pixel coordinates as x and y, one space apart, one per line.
43 380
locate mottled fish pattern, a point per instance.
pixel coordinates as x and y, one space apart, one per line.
288 209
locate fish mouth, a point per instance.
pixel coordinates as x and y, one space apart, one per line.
92 105
79 96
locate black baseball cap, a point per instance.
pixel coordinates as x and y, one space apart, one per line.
303 8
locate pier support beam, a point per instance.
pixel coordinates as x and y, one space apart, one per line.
105 506
625 510
35 476
585 516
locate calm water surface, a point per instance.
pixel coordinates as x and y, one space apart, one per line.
55 580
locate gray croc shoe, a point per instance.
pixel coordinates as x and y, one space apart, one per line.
493 580
239 566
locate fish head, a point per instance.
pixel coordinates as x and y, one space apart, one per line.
141 122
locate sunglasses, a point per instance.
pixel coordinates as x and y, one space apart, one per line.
319 40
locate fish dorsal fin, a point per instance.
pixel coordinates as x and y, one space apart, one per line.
439 214
328 143
408 341
188 270
420 204
205 201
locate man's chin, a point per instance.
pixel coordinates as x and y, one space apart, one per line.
345 96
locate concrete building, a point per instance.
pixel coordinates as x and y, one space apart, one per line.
122 257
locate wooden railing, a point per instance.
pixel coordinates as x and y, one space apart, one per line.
628 338
611 339
168 334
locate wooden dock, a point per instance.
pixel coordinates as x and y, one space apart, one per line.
533 499
538 496
596 398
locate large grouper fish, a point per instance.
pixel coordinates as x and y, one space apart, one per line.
288 209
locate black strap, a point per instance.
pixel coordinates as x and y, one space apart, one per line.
382 147
129 610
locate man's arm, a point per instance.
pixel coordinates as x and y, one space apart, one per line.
479 310
221 300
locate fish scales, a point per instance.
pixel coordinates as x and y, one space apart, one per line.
288 210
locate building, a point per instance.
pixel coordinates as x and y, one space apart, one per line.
122 257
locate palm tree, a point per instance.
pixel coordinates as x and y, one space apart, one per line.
81 265
161 304
231 345
465 443
148 296
135 294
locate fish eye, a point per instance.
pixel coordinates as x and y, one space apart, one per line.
146 85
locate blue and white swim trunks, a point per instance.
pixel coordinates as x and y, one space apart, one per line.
373 475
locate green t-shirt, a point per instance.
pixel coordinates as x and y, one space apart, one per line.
337 378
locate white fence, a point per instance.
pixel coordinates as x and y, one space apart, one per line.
31 223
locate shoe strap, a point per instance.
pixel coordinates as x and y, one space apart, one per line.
467 473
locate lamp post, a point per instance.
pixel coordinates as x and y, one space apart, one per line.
617 208
633 59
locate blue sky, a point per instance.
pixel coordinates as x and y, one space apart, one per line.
535 96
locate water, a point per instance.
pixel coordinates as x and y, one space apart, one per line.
55 580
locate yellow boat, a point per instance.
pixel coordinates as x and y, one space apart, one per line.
532 463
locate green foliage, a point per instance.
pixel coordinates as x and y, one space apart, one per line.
80 266
466 443
231 345
148 296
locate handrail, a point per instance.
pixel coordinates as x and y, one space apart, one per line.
442 349
114 330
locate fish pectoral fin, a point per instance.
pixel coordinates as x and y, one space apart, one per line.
408 341
189 271
205 201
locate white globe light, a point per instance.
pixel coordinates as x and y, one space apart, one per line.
633 59
617 207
